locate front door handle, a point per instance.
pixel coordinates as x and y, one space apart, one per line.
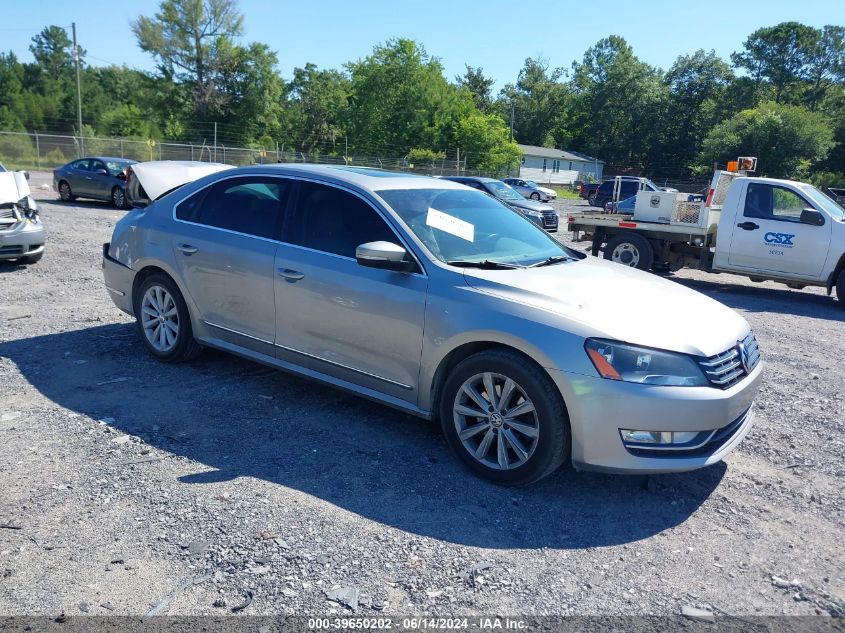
291 275
187 249
748 226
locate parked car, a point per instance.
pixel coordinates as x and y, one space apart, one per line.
586 189
95 177
541 214
440 301
531 189
22 234
629 186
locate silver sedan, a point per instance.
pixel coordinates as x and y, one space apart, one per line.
439 300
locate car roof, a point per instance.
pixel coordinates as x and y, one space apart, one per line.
470 179
364 177
105 158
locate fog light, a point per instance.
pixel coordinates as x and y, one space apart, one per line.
665 438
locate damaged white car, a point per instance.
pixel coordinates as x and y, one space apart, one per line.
22 234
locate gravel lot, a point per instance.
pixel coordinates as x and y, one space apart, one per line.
127 485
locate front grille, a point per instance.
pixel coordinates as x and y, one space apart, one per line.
550 219
11 250
712 444
728 368
8 217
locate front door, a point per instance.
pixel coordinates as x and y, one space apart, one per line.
768 236
225 243
101 181
361 325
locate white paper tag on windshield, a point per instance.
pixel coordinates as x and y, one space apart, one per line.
449 223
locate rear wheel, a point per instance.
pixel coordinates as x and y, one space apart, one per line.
504 419
591 200
163 320
65 192
118 197
630 249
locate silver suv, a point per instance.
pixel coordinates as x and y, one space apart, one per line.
439 300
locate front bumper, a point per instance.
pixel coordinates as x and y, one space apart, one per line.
119 280
22 240
599 408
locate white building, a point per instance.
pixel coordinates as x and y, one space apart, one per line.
556 166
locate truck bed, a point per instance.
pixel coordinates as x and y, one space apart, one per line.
589 221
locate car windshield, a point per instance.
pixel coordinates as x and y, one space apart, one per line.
467 226
833 208
503 191
116 166
531 183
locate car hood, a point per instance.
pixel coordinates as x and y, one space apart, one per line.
620 303
160 176
530 205
547 191
13 187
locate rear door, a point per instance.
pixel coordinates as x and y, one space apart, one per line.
225 243
361 325
768 235
78 176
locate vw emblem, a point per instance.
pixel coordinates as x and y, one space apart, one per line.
743 356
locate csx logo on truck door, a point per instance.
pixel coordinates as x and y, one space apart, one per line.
781 239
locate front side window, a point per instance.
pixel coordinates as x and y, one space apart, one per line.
336 221
467 226
251 205
770 202
82 165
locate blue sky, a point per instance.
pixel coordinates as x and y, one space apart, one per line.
494 34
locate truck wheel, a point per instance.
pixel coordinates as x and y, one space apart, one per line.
591 200
630 249
840 289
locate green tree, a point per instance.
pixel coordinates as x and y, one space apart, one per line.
479 86
186 36
400 99
538 99
485 141
619 104
786 139
826 65
316 107
53 53
781 54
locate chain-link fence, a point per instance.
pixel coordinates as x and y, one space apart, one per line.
34 150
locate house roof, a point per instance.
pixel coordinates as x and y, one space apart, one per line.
552 152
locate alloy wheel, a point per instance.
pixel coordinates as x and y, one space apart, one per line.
64 191
160 318
118 197
496 421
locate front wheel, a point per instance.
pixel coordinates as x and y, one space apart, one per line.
630 249
840 289
504 418
535 196
163 320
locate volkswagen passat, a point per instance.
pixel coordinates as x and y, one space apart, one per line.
439 300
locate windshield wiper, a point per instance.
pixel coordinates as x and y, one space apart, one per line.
488 264
554 259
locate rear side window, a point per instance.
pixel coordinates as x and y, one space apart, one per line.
335 221
250 205
82 164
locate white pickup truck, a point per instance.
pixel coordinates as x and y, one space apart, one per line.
764 228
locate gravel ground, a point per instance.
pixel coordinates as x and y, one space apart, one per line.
128 486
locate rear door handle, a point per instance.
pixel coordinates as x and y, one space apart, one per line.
748 226
187 249
291 275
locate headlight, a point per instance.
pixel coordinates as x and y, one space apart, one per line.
620 361
533 214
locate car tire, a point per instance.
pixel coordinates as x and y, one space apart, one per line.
591 200
535 448
630 249
65 192
163 320
118 197
32 259
535 196
840 288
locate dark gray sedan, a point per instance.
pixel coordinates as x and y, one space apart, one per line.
95 177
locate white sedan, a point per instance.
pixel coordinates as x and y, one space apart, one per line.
531 189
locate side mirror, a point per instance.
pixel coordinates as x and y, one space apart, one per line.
384 255
812 217
102 172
